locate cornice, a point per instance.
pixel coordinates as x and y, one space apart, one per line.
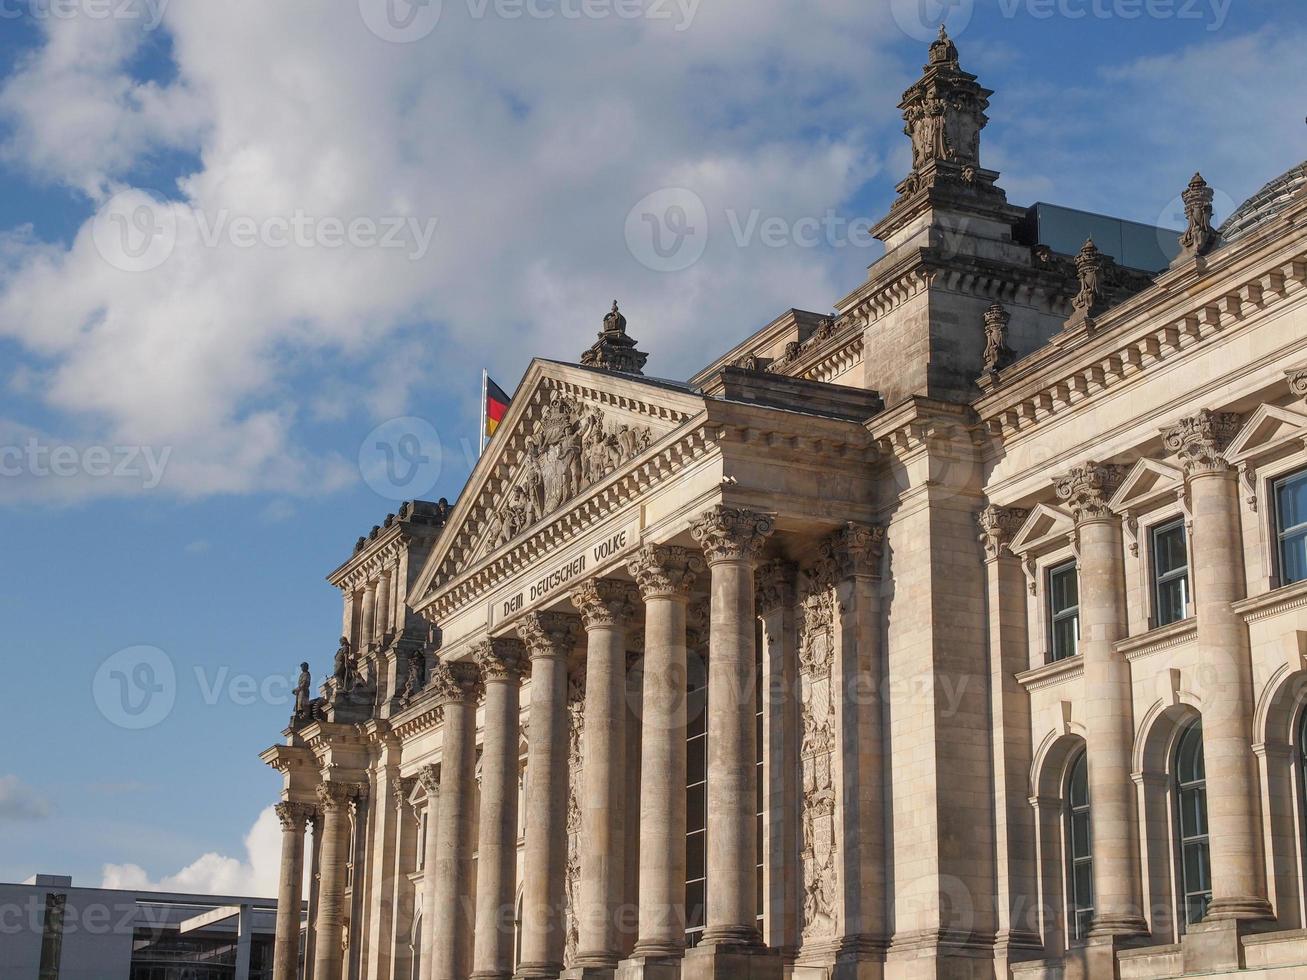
1272 603
1050 675
1154 326
916 422
1156 640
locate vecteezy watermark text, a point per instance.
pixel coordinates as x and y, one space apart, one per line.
148 12
407 21
921 19
35 458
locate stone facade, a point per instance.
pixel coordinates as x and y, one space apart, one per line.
959 568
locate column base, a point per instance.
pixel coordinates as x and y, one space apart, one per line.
538 971
1239 908
718 961
643 967
1118 927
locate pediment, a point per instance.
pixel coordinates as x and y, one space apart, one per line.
1044 525
568 430
1147 482
1268 430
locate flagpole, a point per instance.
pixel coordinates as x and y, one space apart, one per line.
485 392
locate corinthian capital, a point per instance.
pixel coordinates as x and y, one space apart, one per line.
997 526
732 534
293 816
333 796
501 658
605 603
429 777
775 585
1087 489
550 634
456 683
665 570
1200 439
854 549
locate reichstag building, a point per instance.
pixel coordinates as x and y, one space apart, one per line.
960 633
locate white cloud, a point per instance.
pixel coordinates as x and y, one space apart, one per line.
18 801
528 141
254 876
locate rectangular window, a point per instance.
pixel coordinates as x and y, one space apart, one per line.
1063 612
1170 573
1291 527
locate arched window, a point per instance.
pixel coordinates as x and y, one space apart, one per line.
1080 858
1191 801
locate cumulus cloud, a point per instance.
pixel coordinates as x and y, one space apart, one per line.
505 155
254 876
18 801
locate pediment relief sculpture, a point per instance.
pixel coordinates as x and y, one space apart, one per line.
571 448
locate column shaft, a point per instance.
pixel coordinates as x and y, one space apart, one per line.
430 778
1238 875
550 639
501 663
290 885
367 625
328 960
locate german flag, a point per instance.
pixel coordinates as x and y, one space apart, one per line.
496 406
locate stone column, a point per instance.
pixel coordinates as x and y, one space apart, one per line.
429 777
1109 719
550 639
458 687
775 603
1225 679
607 607
285 962
502 662
333 801
732 540
382 616
665 575
367 626
1009 654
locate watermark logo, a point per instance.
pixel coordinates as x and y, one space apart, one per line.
135 233
401 459
921 19
401 21
667 231
136 687
148 12
37 459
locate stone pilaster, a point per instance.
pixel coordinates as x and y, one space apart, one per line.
458 687
1225 678
732 540
502 662
665 575
333 802
368 626
401 890
1017 894
380 838
607 609
293 817
550 639
1109 721
429 777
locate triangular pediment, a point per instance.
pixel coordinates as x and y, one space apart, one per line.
567 432
1267 431
1044 525
1147 482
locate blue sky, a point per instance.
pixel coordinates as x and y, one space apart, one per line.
506 148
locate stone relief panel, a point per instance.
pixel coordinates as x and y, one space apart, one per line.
816 756
572 882
571 448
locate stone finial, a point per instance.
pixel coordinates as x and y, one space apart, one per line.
458 682
605 603
732 534
1091 266
774 585
550 634
997 353
665 570
1087 489
1199 237
293 816
1200 439
997 527
501 658
614 350
942 49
